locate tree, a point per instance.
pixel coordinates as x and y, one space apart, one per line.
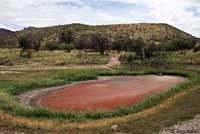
67 37
82 42
180 45
36 40
150 49
139 48
25 43
122 43
142 49
118 44
99 42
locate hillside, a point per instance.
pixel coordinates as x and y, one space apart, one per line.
4 32
160 33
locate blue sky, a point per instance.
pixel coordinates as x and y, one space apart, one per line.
17 14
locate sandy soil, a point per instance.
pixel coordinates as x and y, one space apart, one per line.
114 61
9 72
188 127
107 94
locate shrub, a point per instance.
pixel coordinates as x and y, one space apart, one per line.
180 44
52 45
67 47
99 42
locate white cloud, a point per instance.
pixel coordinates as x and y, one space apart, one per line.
3 26
174 12
169 11
17 14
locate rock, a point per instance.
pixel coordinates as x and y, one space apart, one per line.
6 63
187 127
115 128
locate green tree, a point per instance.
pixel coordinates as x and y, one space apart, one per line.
139 48
150 49
180 45
36 39
66 37
117 45
99 42
124 43
82 42
25 42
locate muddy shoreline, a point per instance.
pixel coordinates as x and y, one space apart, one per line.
37 97
28 98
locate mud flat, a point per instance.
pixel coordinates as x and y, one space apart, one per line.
107 93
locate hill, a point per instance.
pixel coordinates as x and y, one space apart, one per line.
4 32
160 33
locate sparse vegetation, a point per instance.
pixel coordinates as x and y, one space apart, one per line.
148 32
56 57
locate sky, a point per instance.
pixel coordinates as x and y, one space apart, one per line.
17 14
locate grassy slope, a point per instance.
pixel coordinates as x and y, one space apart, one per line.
189 58
53 57
78 58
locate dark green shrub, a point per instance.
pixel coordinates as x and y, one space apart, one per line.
52 45
67 47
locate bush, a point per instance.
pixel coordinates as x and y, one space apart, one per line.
52 45
180 44
132 62
67 47
160 62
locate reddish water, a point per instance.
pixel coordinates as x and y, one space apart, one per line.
109 94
